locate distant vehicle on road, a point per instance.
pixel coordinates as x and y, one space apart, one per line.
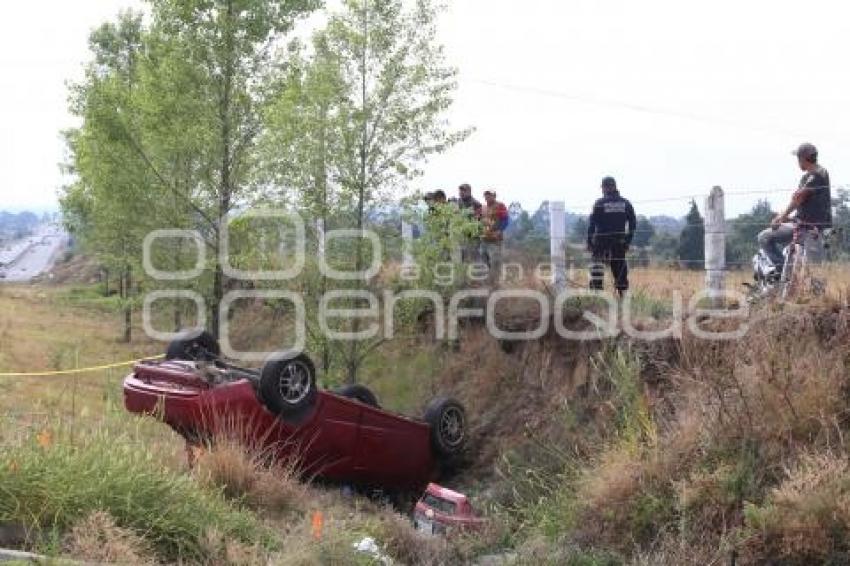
342 436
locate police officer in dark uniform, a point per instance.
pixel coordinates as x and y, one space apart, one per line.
609 234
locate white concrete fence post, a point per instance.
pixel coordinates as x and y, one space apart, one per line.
406 244
715 245
557 241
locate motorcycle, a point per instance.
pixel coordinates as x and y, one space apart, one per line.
768 279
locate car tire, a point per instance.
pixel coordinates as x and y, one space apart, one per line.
288 383
447 418
193 345
359 393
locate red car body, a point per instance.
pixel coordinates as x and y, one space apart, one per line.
442 510
335 438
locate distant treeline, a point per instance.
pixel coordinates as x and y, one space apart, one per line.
17 225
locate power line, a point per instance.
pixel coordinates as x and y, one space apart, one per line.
613 103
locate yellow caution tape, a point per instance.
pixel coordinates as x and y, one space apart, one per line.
78 370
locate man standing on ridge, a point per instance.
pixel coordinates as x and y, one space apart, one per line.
495 219
466 203
813 203
609 234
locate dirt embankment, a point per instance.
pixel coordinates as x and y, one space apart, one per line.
73 269
725 448
521 392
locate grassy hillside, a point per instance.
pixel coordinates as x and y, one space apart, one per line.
607 452
676 452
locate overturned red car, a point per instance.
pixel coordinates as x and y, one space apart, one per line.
341 436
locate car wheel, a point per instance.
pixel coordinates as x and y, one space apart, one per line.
288 383
193 345
359 393
447 418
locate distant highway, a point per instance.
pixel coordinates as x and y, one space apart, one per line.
24 259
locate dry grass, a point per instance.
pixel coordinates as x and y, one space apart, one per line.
410 547
40 330
738 455
666 283
745 451
806 519
248 472
748 412
97 538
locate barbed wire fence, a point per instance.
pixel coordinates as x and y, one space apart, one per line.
716 229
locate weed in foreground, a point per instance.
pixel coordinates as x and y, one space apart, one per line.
97 538
48 488
249 472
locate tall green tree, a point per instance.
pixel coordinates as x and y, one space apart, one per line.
578 233
228 47
644 232
109 207
841 223
691 248
743 232
181 106
376 89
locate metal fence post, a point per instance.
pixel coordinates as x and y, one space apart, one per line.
557 240
715 246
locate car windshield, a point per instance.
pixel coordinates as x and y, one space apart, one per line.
443 506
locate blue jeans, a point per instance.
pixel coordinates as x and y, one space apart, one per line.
773 241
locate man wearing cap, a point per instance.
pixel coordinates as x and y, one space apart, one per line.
609 234
812 202
494 217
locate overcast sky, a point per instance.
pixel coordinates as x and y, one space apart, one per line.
669 96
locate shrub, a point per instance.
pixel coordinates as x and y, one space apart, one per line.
49 488
249 473
806 519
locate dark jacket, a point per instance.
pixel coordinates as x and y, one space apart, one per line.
611 222
472 205
815 208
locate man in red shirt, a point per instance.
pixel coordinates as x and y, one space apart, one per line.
494 218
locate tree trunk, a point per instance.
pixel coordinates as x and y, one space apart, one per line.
322 186
178 318
128 308
226 188
354 346
217 295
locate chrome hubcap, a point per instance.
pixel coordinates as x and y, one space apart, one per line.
294 382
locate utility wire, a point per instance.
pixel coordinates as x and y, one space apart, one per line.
613 103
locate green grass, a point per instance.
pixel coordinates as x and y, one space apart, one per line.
404 378
47 486
88 297
644 304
